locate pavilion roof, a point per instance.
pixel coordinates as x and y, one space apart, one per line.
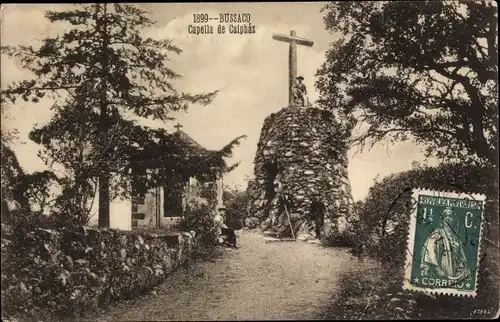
180 154
189 143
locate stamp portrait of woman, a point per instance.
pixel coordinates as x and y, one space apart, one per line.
442 253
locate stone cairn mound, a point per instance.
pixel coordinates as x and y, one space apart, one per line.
300 151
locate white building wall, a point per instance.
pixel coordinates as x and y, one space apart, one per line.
121 214
121 209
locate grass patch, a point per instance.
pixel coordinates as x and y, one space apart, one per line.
367 288
364 293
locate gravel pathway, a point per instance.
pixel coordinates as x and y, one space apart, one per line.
259 281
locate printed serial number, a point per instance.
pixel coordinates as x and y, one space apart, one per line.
481 311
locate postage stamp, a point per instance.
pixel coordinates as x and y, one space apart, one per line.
444 243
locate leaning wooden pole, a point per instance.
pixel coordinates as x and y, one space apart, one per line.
290 221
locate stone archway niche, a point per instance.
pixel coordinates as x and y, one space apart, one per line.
300 151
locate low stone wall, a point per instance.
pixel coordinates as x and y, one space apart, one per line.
70 272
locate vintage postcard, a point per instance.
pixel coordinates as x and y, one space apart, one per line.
249 161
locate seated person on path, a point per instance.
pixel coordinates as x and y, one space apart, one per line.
317 212
222 228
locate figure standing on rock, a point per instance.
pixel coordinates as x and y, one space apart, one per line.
299 91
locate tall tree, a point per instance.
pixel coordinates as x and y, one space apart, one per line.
421 70
102 64
10 169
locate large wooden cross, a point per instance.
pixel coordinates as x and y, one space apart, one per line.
178 127
292 57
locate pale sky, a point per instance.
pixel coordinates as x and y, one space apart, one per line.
250 70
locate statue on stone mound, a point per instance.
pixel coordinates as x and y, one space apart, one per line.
299 91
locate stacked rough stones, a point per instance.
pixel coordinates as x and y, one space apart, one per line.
304 147
84 268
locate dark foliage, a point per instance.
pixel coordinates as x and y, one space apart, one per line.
236 202
416 70
199 218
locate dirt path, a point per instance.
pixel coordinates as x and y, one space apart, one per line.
259 281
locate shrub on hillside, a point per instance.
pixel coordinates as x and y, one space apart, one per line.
236 202
382 229
384 215
198 218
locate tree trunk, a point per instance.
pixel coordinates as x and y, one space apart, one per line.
105 173
104 201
